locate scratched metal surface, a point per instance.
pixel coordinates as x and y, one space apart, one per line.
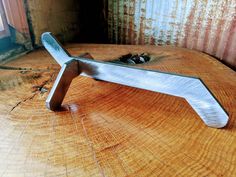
208 26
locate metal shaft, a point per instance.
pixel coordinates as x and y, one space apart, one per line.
190 88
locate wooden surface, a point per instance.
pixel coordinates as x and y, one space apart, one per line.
112 130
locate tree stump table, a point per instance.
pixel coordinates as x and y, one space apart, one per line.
106 129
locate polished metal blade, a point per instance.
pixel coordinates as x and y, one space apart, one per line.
190 88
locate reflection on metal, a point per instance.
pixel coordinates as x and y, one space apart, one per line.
208 26
192 89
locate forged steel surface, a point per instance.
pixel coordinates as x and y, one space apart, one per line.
190 88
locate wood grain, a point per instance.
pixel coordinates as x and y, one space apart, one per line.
107 129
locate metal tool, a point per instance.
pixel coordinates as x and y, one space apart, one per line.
192 89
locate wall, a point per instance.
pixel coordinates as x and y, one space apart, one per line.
18 40
16 16
68 20
4 30
61 17
93 21
208 25
17 21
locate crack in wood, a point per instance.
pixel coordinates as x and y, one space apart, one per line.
20 102
22 69
40 89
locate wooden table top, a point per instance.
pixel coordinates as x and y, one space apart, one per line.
107 129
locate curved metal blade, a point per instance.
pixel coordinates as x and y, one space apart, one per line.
190 88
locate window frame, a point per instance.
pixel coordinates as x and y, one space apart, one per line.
5 32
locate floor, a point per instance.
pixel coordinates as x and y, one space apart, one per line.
107 129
